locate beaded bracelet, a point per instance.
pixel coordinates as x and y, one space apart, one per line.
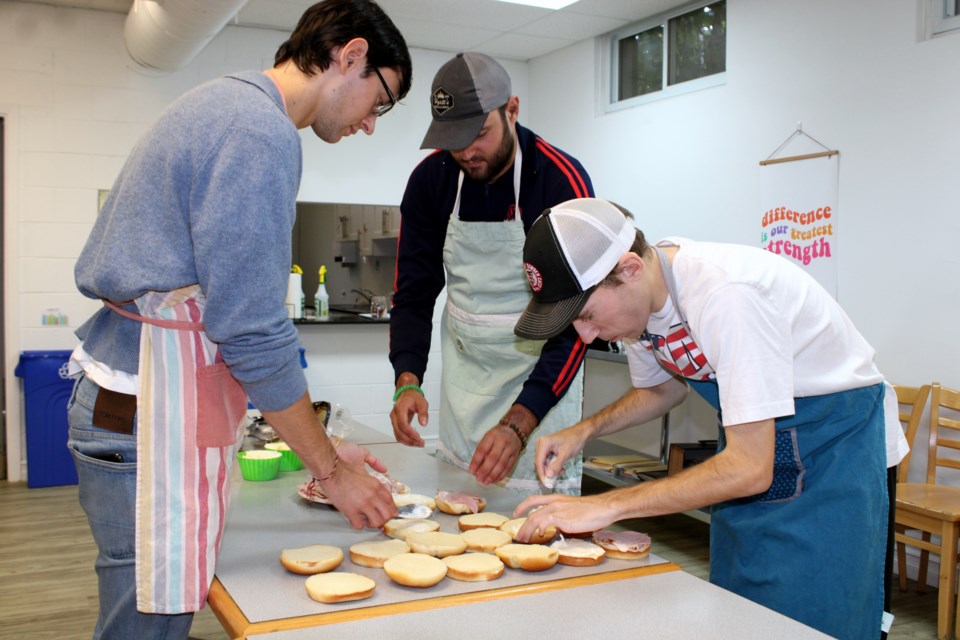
513 426
404 388
336 459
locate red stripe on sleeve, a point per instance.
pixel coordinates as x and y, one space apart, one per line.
564 164
569 371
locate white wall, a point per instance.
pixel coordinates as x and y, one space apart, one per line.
74 105
857 77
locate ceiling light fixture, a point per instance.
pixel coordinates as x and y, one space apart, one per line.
543 4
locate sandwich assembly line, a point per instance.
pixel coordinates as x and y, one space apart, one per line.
467 411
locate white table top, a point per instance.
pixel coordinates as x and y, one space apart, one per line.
665 606
266 517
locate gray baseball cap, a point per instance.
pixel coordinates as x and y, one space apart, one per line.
465 90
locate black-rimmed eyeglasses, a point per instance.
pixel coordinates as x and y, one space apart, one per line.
381 108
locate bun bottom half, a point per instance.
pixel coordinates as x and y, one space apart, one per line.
459 508
331 588
474 567
375 552
626 555
529 557
415 569
312 559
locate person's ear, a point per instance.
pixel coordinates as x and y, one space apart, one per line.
513 109
631 266
352 53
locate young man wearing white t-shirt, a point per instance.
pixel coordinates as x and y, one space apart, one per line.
799 484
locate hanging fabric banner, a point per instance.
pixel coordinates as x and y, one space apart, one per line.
798 219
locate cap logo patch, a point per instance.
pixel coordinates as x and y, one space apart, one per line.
533 277
442 101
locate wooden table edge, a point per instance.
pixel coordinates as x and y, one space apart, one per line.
238 626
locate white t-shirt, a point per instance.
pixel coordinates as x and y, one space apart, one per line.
764 329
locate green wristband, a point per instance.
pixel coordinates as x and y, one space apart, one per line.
404 388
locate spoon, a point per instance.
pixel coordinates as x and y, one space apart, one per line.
414 511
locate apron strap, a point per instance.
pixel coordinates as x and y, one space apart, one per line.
181 325
157 322
517 172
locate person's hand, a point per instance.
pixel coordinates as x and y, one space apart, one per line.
362 499
496 455
567 513
356 455
553 451
411 402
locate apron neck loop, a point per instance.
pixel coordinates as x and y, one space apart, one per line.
517 171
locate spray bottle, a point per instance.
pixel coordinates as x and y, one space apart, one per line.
295 298
321 301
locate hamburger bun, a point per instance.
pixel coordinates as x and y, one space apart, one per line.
578 553
436 543
538 537
477 520
415 569
414 498
339 587
474 567
623 545
485 539
529 557
456 503
399 528
374 552
316 558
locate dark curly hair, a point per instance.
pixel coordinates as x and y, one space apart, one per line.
331 24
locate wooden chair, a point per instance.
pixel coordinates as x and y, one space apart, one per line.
911 401
935 508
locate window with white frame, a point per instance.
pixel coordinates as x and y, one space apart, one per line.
945 16
673 53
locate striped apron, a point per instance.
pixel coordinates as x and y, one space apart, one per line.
189 418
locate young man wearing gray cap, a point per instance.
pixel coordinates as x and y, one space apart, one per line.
798 486
465 212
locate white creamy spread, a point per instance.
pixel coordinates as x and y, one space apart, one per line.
577 548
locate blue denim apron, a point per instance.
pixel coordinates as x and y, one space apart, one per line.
812 546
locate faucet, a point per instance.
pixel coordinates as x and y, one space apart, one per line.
365 293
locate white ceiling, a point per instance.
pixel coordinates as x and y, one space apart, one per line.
500 29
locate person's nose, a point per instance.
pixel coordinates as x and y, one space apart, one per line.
469 153
586 331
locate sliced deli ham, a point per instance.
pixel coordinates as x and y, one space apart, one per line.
456 503
625 545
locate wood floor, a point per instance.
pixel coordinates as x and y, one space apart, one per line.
48 588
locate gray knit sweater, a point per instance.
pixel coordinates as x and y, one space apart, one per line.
207 196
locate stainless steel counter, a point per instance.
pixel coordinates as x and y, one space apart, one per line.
339 317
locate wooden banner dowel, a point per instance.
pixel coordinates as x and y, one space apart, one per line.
808 156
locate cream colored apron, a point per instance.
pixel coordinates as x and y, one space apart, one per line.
189 418
484 363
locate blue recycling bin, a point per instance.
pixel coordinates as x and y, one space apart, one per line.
46 391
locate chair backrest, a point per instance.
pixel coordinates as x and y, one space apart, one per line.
911 401
944 430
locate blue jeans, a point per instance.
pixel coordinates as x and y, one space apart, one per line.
107 471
